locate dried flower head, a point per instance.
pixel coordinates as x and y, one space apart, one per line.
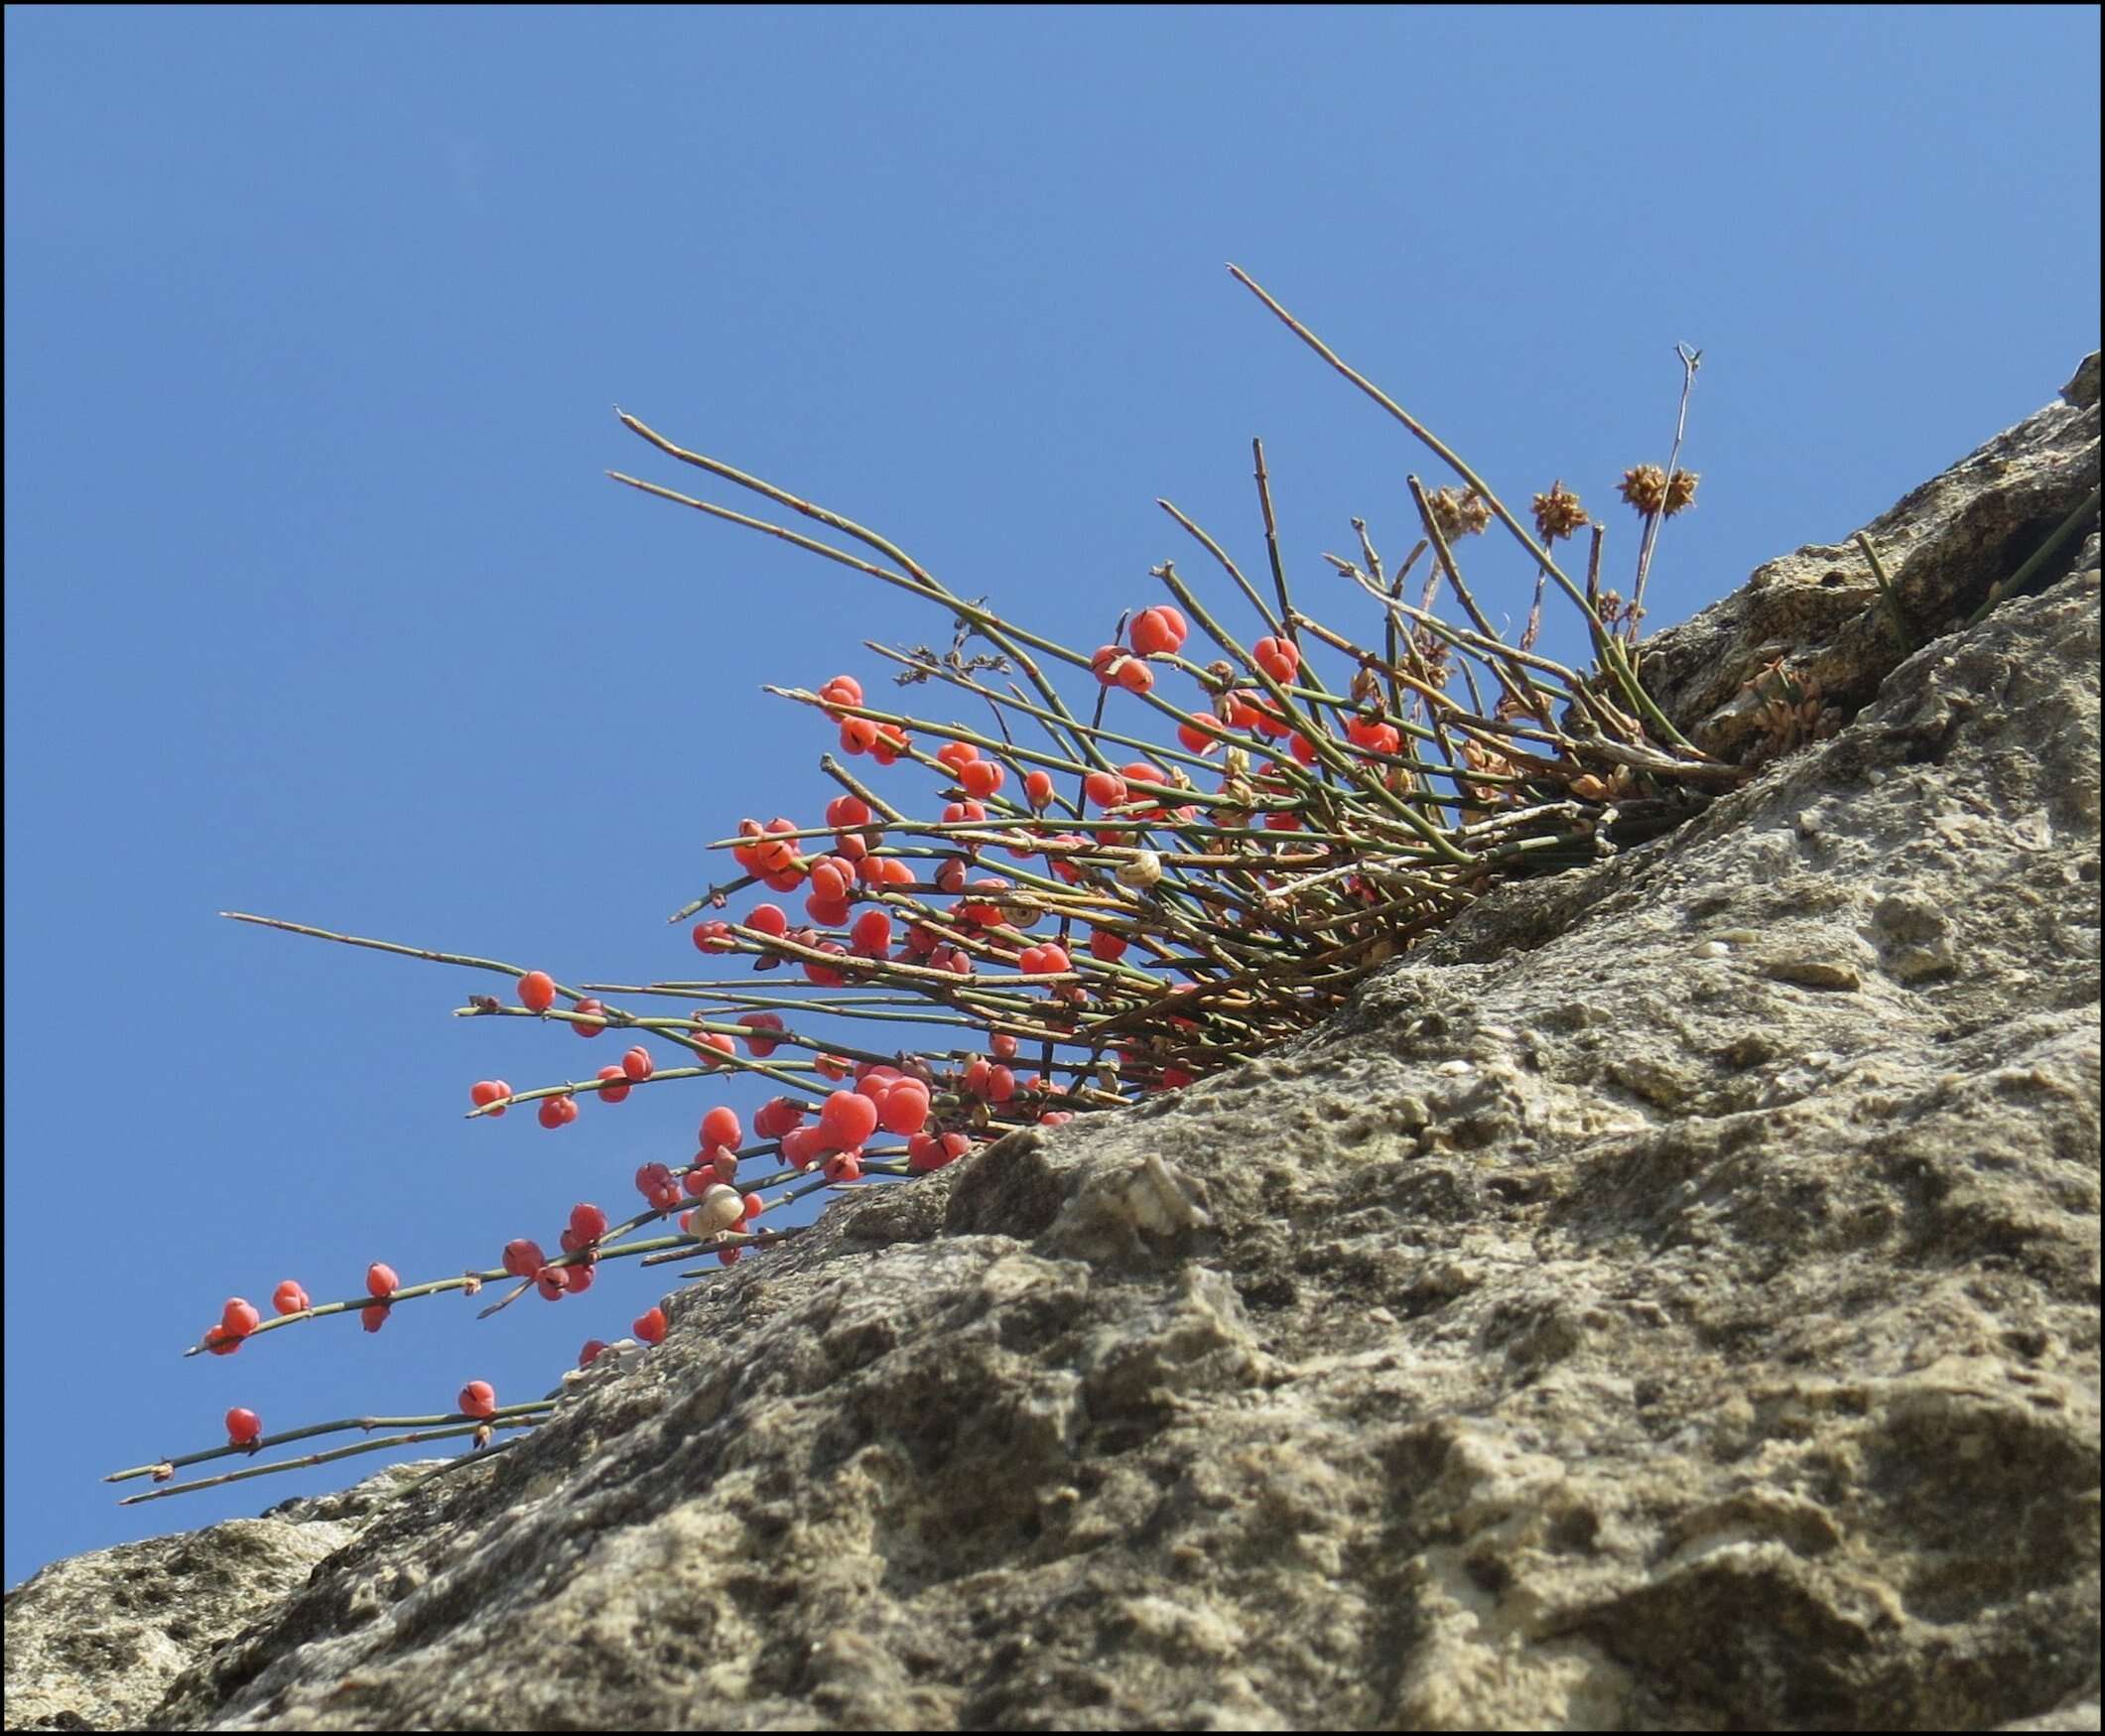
1558 514
1459 514
1648 489
1644 487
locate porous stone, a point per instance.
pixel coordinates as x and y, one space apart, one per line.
1667 1299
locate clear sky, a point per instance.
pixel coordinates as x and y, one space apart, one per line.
319 604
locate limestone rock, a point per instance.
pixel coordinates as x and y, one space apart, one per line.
1669 1299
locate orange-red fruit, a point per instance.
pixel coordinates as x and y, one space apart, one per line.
842 1167
1278 658
478 1399
288 1298
553 1282
955 756
590 1353
637 1064
579 1277
537 991
1135 675
982 778
1157 630
905 1108
768 919
1038 789
714 937
1106 788
239 1316
926 1152
847 1118
757 1045
1108 945
614 1085
719 1127
380 1281
523 1258
243 1426
776 1116
486 1092
373 1316
650 1327
589 1027
558 1111
588 1222
219 1341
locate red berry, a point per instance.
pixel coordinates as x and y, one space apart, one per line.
982 778
1155 631
842 690
1135 675
714 937
558 1111
1106 788
522 1257
219 1341
955 756
486 1092
719 1127
905 1108
553 1282
588 1222
925 1153
288 1298
801 1146
847 1118
578 1277
1278 658
1196 740
613 1086
760 1047
380 1281
637 1064
650 1327
590 1353
478 1399
753 1206
776 1116
373 1316
537 991
1108 945
589 1027
1038 789
239 1317
842 1167
243 1426
768 919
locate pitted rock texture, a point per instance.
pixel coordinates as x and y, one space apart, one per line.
93 1642
1669 1299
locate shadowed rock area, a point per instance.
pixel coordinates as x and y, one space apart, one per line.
1668 1300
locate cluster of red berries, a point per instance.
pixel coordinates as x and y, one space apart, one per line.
579 1240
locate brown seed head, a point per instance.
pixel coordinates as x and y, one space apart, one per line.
1558 514
1644 487
1458 514
1680 490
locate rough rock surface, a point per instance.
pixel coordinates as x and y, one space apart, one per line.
1669 1300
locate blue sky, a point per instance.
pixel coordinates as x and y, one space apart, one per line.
318 602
